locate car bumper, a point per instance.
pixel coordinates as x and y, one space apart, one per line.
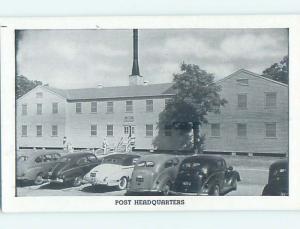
95 181
57 180
187 194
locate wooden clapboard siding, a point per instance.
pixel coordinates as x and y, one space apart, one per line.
255 116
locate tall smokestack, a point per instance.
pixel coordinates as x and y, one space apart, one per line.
135 66
135 78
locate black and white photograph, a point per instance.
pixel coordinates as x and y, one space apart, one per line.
152 111
117 115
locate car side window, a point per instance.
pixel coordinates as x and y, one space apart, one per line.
55 156
82 161
175 161
47 158
39 159
169 164
92 158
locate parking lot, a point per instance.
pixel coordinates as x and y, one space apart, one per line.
253 172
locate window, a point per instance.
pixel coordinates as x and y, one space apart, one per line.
129 106
93 130
149 130
110 107
242 101
270 99
242 82
39 95
168 130
126 129
241 130
149 105
110 130
24 109
54 108
39 130
39 108
24 131
270 129
215 129
78 108
94 107
54 130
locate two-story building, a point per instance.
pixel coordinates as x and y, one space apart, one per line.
255 119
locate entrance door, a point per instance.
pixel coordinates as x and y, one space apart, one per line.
129 131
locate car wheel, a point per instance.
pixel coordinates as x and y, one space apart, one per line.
38 179
234 183
77 181
166 189
122 183
215 191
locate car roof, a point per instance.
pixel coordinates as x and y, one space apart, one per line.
76 155
122 155
158 157
204 157
280 163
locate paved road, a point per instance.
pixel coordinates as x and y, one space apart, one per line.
253 181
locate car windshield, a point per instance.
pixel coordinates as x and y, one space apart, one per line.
113 160
64 159
278 173
22 158
120 160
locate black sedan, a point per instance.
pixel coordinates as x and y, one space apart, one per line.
205 175
278 184
71 168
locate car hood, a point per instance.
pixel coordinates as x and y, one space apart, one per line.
22 167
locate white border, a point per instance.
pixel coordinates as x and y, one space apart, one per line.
11 203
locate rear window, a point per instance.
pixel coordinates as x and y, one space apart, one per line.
22 158
198 165
119 160
146 164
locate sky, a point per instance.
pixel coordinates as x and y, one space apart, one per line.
85 58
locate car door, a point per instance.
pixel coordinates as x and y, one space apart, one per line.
92 162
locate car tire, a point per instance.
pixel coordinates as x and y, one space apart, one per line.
215 191
234 183
166 189
38 179
77 181
122 183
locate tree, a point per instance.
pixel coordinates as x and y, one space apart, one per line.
196 95
23 85
278 71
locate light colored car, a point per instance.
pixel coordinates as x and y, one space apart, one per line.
35 165
115 170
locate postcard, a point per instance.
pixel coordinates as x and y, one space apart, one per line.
150 113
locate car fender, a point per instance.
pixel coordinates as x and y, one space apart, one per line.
162 181
236 175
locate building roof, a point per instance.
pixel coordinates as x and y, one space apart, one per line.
251 74
115 92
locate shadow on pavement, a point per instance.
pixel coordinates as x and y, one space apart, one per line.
55 186
99 189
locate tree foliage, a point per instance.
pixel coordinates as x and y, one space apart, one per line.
278 71
23 85
196 95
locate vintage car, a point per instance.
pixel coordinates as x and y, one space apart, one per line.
205 175
154 174
72 167
34 165
115 170
278 184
